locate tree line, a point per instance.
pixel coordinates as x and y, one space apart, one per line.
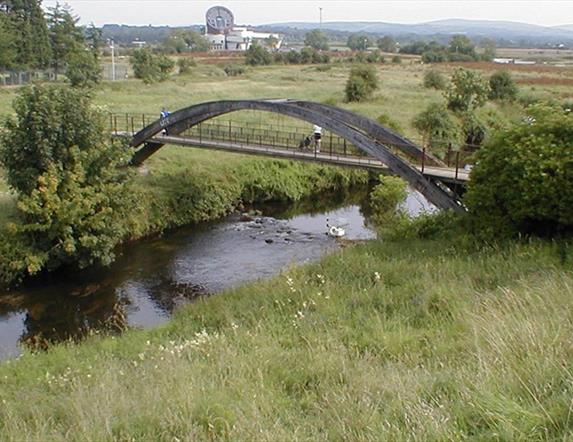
32 39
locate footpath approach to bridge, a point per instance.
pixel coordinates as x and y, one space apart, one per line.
354 141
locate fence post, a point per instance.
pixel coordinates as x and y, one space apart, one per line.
115 124
345 147
132 127
423 158
457 163
449 154
230 131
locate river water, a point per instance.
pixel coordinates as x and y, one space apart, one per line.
154 277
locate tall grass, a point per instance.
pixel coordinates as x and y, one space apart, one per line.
392 340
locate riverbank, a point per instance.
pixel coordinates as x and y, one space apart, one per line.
181 186
395 339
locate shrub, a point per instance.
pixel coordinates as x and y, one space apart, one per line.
502 86
467 92
385 200
435 80
523 178
150 67
258 56
396 59
317 40
434 57
185 65
67 175
363 81
234 70
375 57
83 69
388 121
436 125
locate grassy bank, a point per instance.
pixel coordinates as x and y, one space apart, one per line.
392 340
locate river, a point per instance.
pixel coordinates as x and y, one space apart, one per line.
154 277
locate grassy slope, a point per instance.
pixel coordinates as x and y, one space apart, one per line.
383 341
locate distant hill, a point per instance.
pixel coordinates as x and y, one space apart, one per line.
505 30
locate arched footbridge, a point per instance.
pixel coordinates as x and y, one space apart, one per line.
384 148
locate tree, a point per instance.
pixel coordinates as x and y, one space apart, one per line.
258 56
150 67
386 44
316 39
489 49
435 80
436 126
362 82
94 39
84 68
358 42
460 44
181 41
521 182
272 43
467 92
69 179
66 37
8 44
30 32
502 86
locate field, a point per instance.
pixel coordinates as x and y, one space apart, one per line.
401 95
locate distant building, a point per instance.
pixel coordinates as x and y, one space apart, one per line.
223 35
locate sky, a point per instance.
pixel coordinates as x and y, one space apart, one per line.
253 12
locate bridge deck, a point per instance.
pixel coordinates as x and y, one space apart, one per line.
442 173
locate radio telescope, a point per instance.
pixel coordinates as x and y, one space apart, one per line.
219 20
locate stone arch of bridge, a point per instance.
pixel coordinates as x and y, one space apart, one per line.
365 134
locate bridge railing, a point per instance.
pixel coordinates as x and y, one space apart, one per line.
282 136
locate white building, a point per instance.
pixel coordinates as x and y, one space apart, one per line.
223 35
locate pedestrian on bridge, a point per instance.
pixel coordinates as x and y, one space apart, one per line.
163 115
317 130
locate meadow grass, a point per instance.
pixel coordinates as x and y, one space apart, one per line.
401 94
391 340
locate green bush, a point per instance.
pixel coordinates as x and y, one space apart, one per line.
83 69
467 92
434 57
435 80
522 181
385 200
150 67
363 81
436 126
258 56
396 59
234 70
185 64
69 179
386 120
502 86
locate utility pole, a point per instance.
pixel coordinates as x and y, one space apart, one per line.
112 45
320 9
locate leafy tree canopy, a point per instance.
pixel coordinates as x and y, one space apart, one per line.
523 178
316 39
68 177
